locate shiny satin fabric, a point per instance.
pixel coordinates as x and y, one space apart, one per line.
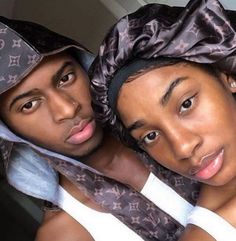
34 170
201 32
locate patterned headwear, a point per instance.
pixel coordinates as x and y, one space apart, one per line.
203 32
22 46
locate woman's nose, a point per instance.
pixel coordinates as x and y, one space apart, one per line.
63 107
184 142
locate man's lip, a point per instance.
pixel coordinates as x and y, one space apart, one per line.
78 127
210 165
81 132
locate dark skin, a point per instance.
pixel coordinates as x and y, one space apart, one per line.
33 100
118 156
61 101
187 123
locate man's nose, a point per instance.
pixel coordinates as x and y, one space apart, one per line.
184 142
63 106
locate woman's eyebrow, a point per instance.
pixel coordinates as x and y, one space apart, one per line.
137 124
166 97
164 100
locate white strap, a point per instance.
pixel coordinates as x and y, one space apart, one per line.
167 199
102 226
212 223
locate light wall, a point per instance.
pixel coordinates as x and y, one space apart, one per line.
86 21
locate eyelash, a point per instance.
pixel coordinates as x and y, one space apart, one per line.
72 73
32 108
143 143
192 99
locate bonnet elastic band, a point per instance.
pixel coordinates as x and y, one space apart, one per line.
202 32
123 74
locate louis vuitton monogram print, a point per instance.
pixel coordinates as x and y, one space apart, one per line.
17 58
203 32
128 205
5 150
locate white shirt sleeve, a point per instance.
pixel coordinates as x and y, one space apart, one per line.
212 223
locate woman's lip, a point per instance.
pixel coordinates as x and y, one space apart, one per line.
211 165
81 132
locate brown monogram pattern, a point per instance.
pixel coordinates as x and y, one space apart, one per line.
22 46
203 32
126 204
16 58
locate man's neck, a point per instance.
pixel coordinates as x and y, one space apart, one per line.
102 157
116 161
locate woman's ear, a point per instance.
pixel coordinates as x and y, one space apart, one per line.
229 81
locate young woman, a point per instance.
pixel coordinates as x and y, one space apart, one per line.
165 83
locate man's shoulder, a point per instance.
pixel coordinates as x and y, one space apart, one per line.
58 225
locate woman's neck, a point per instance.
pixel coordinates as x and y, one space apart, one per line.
214 197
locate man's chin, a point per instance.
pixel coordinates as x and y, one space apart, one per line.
87 152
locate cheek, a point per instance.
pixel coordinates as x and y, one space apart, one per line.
164 157
219 116
162 153
81 94
32 126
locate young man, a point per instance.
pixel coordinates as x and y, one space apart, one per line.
53 149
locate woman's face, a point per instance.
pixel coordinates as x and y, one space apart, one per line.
185 119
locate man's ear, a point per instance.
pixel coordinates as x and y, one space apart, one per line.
229 81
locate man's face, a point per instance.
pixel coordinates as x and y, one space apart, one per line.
185 119
52 108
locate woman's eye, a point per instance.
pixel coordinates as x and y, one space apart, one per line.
66 79
150 137
187 104
29 106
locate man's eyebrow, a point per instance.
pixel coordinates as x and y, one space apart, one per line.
55 78
23 95
135 125
166 97
59 72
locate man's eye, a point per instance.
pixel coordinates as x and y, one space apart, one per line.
68 78
29 106
187 104
150 137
